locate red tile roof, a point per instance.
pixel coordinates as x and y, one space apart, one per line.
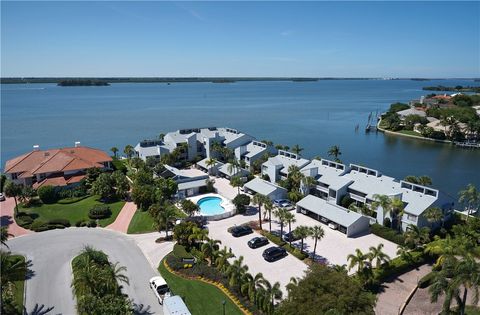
56 160
59 181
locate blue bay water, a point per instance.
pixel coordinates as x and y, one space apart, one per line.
315 115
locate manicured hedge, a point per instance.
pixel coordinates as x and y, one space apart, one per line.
278 241
388 234
67 201
47 194
99 212
399 265
63 222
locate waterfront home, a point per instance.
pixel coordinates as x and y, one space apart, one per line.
276 168
411 111
336 217
188 185
55 167
331 185
228 171
210 169
416 198
253 151
263 187
193 143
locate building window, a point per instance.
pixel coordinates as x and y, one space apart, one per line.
411 217
14 176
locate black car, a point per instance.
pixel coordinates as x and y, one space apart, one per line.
290 237
257 242
274 253
241 230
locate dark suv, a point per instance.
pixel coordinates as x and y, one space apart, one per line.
274 253
257 242
241 230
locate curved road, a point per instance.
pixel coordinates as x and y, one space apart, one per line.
51 252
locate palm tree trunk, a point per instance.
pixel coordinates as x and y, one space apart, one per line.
464 301
270 219
260 216
281 230
315 248
290 232
16 205
301 246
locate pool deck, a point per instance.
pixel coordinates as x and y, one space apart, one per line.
225 204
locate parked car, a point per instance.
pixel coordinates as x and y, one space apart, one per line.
160 287
290 237
174 305
257 242
333 226
241 230
2 197
274 253
284 204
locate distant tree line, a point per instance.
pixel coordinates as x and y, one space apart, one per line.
79 82
457 88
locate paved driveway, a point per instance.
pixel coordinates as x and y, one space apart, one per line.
335 246
281 270
51 253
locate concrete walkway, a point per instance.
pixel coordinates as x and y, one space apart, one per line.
124 217
7 218
396 291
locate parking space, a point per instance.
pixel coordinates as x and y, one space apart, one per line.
335 246
281 270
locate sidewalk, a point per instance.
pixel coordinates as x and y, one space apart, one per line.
124 217
6 218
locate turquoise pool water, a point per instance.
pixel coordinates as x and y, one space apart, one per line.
210 206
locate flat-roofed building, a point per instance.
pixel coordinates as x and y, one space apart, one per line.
263 187
345 221
277 167
253 151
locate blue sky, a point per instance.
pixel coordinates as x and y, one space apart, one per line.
319 39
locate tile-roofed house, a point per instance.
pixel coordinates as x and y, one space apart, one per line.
58 167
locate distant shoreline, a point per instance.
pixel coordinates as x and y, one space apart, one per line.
25 80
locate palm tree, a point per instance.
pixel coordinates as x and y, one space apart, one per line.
4 235
114 151
260 200
376 254
198 234
209 249
236 271
416 237
222 256
289 219
117 275
433 215
164 217
307 183
424 180
297 149
233 167
268 205
272 293
335 152
404 252
317 233
250 284
236 181
280 214
467 275
210 163
384 202
12 269
128 151
13 190
292 284
397 211
469 197
302 232
358 260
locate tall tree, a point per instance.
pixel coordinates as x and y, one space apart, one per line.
335 152
378 255
317 233
13 190
210 163
280 214
297 149
4 235
104 187
433 215
289 218
416 237
129 151
165 217
114 151
302 232
189 207
260 200
470 197
236 181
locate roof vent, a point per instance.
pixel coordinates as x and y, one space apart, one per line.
77 144
36 147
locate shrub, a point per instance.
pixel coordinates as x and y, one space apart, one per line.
99 212
79 223
241 201
47 194
295 252
346 201
70 200
24 220
92 223
63 222
273 238
180 252
399 265
387 223
388 234
39 226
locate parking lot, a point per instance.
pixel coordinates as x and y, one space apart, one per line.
281 270
335 246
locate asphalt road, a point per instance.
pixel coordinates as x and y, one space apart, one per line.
51 253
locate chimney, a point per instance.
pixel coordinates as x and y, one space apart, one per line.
36 147
77 144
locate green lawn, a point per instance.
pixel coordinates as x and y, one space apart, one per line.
19 287
410 133
201 298
141 222
73 212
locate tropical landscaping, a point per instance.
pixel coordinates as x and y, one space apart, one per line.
13 276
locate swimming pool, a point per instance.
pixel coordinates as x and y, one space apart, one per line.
210 206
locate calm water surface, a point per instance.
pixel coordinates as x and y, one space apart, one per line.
316 115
